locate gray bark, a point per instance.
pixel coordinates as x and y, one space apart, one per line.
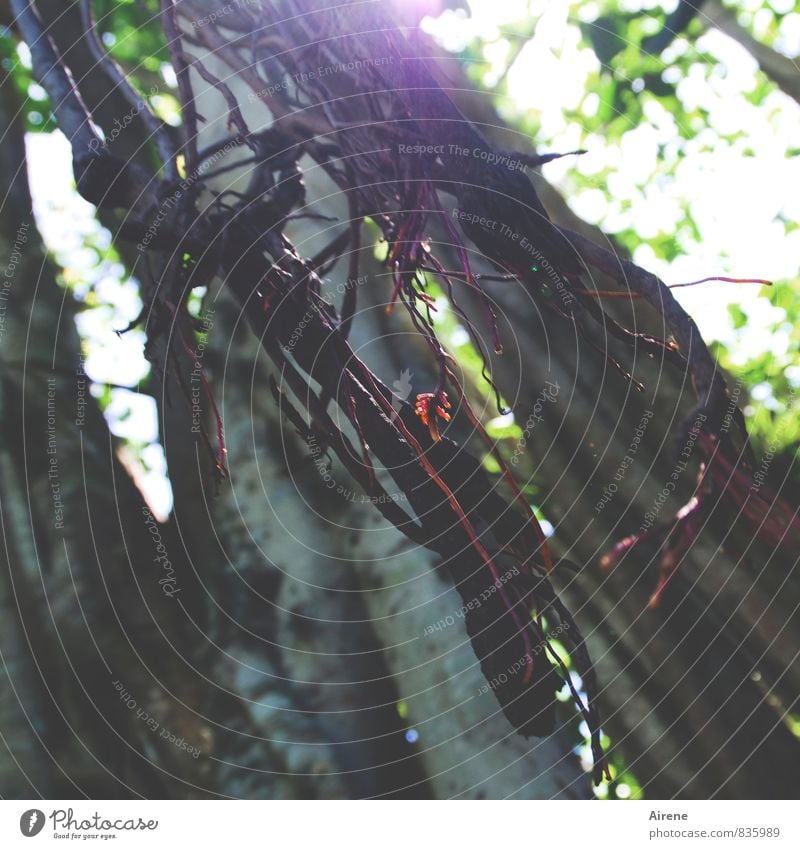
301 630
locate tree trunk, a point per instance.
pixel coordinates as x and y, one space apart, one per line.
302 647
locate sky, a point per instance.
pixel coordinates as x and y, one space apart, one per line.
735 199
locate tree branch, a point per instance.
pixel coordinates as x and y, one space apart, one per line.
181 63
73 116
156 128
708 383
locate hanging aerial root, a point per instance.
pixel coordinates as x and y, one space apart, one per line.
720 485
628 295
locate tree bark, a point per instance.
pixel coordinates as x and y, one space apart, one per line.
299 651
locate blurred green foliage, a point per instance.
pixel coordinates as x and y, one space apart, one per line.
625 90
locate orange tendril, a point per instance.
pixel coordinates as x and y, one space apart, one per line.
431 405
